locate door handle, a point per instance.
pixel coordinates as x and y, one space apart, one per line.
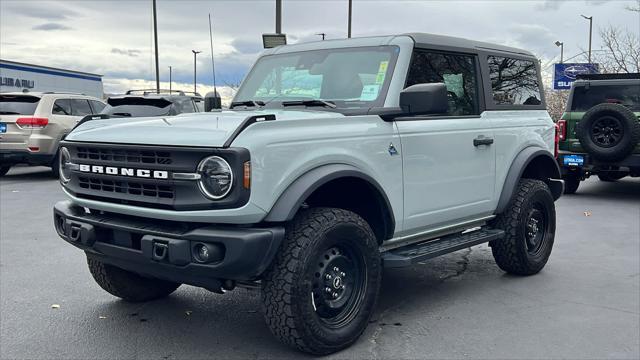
481 140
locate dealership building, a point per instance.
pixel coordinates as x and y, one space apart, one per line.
15 76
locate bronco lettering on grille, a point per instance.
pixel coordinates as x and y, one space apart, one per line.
130 172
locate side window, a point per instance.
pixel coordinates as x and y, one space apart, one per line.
185 106
97 106
514 81
61 107
199 104
456 71
80 107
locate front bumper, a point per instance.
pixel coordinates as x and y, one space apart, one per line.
631 162
165 250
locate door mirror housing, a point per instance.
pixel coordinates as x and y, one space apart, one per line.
212 101
424 99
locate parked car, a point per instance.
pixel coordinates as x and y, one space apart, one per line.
338 158
148 102
600 129
33 124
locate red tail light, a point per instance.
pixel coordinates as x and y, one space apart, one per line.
556 145
32 122
562 130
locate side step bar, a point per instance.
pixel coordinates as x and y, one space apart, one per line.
415 253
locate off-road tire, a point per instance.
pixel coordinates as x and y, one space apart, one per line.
511 252
288 290
4 170
614 116
127 285
571 183
55 166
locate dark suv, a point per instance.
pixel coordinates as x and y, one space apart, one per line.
145 103
600 129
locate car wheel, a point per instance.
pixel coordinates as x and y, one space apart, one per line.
127 285
609 132
571 183
319 293
55 166
529 224
4 170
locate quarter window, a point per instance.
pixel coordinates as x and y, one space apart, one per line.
97 106
514 81
456 71
80 107
62 107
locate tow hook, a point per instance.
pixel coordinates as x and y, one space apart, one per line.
160 251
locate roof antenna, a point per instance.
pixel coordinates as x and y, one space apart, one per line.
213 66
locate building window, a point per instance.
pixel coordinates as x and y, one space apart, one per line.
514 81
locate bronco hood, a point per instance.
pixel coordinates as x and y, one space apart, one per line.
199 129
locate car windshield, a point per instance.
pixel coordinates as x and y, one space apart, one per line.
586 97
348 78
137 107
18 104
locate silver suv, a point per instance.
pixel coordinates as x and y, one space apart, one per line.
32 125
337 158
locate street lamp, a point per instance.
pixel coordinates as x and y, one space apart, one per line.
322 34
195 69
590 18
561 45
170 80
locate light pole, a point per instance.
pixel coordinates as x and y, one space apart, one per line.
155 37
322 34
195 69
170 80
561 45
278 16
590 18
349 25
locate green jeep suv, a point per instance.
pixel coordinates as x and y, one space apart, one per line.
599 132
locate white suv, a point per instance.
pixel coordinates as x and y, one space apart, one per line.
32 125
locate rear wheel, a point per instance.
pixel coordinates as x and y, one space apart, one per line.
529 224
571 183
4 170
320 291
610 177
127 285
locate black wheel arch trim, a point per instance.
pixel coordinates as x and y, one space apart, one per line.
517 169
290 201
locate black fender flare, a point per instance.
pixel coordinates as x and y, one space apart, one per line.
287 205
516 172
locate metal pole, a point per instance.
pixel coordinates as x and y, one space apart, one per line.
170 80
561 53
278 16
213 66
350 13
155 36
195 70
590 18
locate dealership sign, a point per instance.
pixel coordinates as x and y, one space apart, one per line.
19 83
565 74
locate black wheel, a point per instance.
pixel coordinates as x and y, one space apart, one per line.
4 170
321 289
55 166
529 223
571 183
609 132
611 177
127 285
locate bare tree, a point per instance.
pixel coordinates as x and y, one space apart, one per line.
556 102
622 51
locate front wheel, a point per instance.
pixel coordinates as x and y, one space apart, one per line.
529 223
4 170
319 293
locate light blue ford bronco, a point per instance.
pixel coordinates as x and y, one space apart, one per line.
335 159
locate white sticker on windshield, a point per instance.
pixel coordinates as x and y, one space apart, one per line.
370 92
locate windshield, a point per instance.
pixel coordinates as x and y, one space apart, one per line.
137 107
584 98
349 78
18 104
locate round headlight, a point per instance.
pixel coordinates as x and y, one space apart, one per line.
216 177
65 160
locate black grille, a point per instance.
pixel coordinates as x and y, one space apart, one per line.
125 155
127 187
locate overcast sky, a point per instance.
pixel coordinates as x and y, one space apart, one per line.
114 38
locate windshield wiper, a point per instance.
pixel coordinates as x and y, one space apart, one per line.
246 103
9 113
314 102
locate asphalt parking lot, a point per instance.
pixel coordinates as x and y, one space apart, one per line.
584 304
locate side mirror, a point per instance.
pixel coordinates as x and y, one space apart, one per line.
424 99
212 101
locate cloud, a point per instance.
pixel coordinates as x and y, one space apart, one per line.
247 46
41 10
127 52
51 27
